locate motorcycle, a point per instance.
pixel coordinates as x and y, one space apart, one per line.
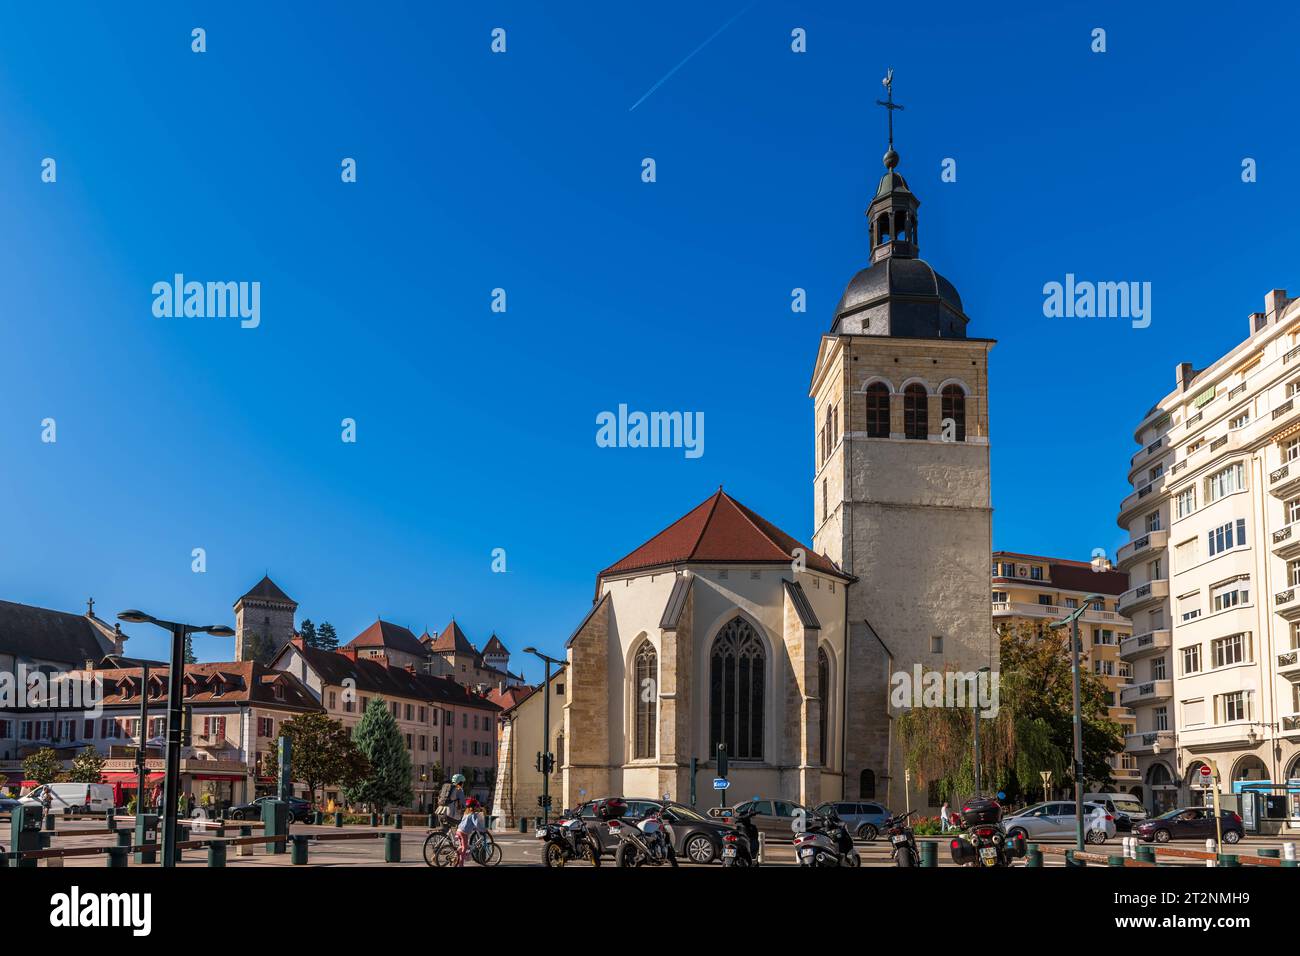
984 842
824 841
568 839
741 847
902 840
644 843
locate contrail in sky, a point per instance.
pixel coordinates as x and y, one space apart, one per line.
665 77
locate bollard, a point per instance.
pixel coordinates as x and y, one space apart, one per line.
523 824
1270 852
374 819
124 838
1229 859
117 855
338 818
762 846
48 822
1288 852
1146 853
111 819
1033 855
397 820
392 848
317 818
1117 860
1209 848
245 849
216 853
929 853
299 857
1071 860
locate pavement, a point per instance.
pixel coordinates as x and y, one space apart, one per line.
518 849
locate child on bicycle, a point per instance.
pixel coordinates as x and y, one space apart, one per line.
471 823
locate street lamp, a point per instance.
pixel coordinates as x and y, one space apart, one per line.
546 728
171 782
1072 621
975 716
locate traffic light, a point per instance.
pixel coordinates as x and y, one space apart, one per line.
545 762
544 802
722 760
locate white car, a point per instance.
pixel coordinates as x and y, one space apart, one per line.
71 797
1055 820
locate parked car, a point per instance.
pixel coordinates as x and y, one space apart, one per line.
863 818
7 804
695 837
1191 823
1127 810
299 810
71 797
1055 820
773 817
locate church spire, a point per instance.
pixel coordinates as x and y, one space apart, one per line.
892 212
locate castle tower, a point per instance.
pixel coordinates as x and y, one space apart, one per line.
901 484
263 621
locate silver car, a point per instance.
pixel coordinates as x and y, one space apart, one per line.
1054 820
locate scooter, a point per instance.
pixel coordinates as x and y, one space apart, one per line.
568 839
644 843
902 840
825 841
740 848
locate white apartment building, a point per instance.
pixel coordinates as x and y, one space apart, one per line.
1214 569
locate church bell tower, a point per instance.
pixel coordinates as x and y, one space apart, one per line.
901 480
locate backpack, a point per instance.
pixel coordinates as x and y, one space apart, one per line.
444 795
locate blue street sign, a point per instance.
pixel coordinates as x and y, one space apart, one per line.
721 783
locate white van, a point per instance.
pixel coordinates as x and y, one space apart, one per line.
1124 803
72 797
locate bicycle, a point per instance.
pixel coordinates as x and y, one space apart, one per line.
484 850
440 847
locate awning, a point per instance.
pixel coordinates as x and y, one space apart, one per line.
129 781
217 776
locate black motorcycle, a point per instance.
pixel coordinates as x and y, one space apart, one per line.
568 839
902 840
983 841
646 842
824 841
740 848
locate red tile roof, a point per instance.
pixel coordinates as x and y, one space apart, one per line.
721 530
229 682
452 638
509 698
391 636
494 646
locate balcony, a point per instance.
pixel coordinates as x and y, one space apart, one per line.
1150 692
1140 645
1144 595
1288 662
1285 482
1006 609
1144 498
1287 603
1147 546
1286 541
1291 724
1146 743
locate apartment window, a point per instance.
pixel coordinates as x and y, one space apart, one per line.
1290 449
1295 636
1156 472
1104 668
433 744
1194 712
1125 671
365 702
1158 668
1153 521
393 709
1103 636
1292 509
409 711
1234 706
1185 552
1228 650
1293 572
1222 538
1154 569
1292 387
332 700
464 721
1192 659
1240 421
424 741
1225 482
464 747
408 741
1160 717
265 727
1185 502
1072 602
448 718
936 644
1231 593
1000 597
1035 573
559 690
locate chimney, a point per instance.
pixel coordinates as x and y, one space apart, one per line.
1185 373
1275 304
298 642
349 652
501 687
119 639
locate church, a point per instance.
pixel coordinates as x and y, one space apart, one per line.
724 630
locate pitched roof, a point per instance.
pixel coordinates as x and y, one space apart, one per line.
378 677
721 530
452 638
38 632
1069 574
391 636
802 606
268 590
229 682
510 698
495 647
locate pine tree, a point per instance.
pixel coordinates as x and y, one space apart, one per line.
189 656
308 632
326 637
379 740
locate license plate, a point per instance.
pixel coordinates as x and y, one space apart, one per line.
900 839
988 853
729 851
806 852
541 834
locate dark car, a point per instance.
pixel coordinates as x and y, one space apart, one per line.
299 810
863 818
776 818
695 837
1191 823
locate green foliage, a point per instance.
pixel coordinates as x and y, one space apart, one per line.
259 647
87 766
388 782
308 632
324 753
327 639
43 766
189 656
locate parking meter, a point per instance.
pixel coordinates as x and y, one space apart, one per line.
275 822
146 831
25 832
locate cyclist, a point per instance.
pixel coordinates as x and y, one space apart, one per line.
452 804
471 823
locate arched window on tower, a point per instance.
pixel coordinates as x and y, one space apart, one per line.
900 225
867 785
954 407
882 228
916 412
877 410
645 668
737 664
823 697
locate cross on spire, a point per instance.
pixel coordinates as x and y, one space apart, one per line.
888 103
90 607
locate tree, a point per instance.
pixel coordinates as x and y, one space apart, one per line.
43 766
327 639
87 766
380 741
1033 730
308 632
324 753
190 658
260 648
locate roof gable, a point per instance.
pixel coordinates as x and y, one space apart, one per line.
268 590
42 634
390 636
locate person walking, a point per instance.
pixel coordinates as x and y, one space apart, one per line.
944 811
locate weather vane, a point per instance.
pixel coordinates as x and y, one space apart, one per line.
888 103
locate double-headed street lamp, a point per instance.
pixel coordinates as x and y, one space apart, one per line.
546 729
1072 621
175 690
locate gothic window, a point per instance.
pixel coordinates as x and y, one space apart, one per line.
823 696
916 414
954 407
645 667
737 665
877 410
867 785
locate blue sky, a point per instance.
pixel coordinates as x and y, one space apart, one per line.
522 171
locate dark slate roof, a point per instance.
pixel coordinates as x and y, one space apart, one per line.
901 297
268 590
495 647
802 606
391 636
38 632
676 602
376 677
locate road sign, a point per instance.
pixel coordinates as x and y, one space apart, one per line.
721 783
1205 771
